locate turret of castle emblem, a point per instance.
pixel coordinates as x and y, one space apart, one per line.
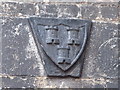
51 35
63 55
73 36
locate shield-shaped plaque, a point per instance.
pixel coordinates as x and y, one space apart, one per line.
61 43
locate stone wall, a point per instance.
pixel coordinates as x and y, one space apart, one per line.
21 63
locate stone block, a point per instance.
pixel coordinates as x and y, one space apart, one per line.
16 82
20 56
101 59
18 9
48 10
108 12
19 52
67 10
58 10
71 83
23 82
89 12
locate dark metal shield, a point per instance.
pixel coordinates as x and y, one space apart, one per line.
62 40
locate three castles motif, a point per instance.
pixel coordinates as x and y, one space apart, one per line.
63 51
61 44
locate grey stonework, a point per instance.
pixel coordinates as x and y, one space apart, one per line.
59 1
21 63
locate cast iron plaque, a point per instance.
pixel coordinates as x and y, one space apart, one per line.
61 43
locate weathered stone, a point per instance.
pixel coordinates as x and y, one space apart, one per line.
0 42
119 12
19 53
108 12
58 10
119 51
44 82
1 8
67 10
16 41
48 10
119 81
18 82
27 9
66 0
89 11
0 51
113 83
57 1
108 4
18 9
101 59
10 8
71 83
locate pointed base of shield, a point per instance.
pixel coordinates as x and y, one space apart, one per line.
53 71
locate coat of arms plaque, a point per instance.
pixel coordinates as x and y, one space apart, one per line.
61 44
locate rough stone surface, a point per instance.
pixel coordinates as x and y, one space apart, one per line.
68 11
89 12
58 10
81 83
18 47
0 51
18 82
61 0
44 82
101 58
109 12
18 9
0 42
48 10
21 63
